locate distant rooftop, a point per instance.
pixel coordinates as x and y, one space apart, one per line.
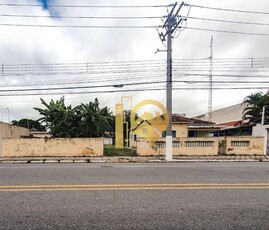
177 118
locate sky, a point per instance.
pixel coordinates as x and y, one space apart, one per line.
42 45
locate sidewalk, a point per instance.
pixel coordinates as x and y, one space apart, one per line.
123 159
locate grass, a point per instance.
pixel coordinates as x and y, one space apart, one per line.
110 151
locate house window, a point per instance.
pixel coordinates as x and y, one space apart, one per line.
174 134
192 134
144 130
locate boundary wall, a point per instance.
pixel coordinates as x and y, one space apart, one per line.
53 147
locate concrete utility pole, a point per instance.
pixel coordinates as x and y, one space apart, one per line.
171 24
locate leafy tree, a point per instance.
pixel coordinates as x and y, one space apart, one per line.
85 120
29 124
254 107
95 121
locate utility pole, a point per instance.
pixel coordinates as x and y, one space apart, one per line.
210 81
171 24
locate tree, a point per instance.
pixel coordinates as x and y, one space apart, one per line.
95 121
254 107
29 124
85 120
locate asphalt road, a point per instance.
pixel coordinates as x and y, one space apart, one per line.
135 196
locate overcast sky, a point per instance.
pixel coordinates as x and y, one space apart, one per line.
34 45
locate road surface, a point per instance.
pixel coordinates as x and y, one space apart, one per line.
226 195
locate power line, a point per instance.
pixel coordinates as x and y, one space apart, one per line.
83 6
226 75
79 26
83 80
146 62
80 17
228 21
125 84
82 92
54 67
129 90
138 62
226 9
222 59
226 31
81 87
118 85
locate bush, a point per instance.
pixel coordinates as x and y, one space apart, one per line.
110 150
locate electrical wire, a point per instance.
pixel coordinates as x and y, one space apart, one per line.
127 84
226 9
80 17
226 31
78 26
227 75
80 87
227 21
82 6
129 90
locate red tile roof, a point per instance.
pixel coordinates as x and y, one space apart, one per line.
176 118
233 123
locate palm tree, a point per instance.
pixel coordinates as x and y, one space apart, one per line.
254 107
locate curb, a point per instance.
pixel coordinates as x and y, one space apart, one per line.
123 160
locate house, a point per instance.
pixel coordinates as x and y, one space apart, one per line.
192 127
181 127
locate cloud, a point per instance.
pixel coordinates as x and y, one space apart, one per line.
33 45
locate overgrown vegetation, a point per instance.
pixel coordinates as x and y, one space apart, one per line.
29 124
110 150
84 120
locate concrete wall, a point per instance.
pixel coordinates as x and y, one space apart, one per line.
259 130
26 147
205 146
244 145
10 131
181 146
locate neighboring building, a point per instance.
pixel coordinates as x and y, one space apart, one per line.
11 131
181 127
225 115
230 119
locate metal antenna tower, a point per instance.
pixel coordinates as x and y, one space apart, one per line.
210 81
